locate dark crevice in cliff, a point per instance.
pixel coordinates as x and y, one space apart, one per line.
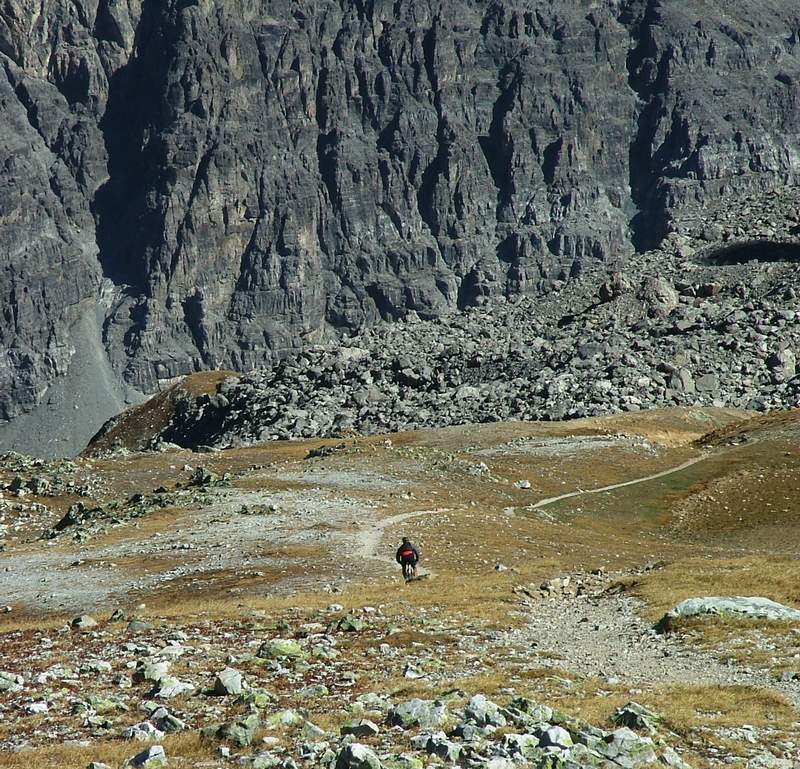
122 227
429 51
364 8
326 160
387 135
468 290
648 78
105 27
193 315
495 145
23 97
383 304
550 159
427 190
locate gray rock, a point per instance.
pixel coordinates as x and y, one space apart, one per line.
523 747
265 760
555 737
84 622
659 296
310 731
357 756
152 758
484 712
438 745
281 648
682 381
739 606
625 746
229 681
10 682
241 732
614 287
169 687
708 383
138 626
423 713
782 365
361 728
144 732
768 761
636 716
670 758
167 722
151 670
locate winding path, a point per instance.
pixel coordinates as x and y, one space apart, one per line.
645 479
368 540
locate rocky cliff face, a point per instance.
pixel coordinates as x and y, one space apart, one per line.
219 182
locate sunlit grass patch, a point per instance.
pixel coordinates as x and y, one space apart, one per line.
768 577
182 750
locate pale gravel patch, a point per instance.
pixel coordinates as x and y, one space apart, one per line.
564 447
215 537
607 637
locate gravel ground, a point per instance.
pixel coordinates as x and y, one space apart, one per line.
607 637
214 538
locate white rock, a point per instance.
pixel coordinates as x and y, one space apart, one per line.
144 732
557 737
152 758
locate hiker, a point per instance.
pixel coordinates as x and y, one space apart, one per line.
408 557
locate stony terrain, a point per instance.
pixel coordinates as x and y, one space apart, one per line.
196 185
688 324
242 607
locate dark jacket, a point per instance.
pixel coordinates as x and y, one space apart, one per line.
407 546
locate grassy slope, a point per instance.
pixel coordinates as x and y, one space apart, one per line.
717 528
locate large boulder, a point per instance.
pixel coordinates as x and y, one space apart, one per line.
636 716
229 681
782 365
483 712
10 682
732 606
152 758
143 732
626 748
280 648
658 296
426 714
357 756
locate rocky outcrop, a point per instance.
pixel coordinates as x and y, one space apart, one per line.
221 183
668 332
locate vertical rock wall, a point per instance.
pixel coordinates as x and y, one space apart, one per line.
225 181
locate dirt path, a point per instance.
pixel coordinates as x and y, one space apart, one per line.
368 540
635 481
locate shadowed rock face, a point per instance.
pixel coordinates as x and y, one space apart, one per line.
755 250
228 180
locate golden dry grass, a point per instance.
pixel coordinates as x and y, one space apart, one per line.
183 750
686 707
462 545
777 578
